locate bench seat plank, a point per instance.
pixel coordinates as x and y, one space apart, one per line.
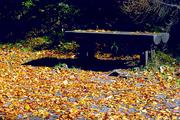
143 41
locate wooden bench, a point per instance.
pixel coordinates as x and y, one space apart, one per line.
144 42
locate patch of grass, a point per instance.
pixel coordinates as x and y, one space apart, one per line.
30 44
60 66
26 49
67 47
39 41
1 45
7 45
161 59
178 82
165 65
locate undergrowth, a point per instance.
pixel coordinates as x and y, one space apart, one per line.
166 65
161 59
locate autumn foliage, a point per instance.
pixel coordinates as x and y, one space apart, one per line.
31 92
65 92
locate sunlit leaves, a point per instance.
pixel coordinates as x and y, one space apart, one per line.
48 93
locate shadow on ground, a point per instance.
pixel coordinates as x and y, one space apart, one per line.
94 65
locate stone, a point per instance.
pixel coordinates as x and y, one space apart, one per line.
120 73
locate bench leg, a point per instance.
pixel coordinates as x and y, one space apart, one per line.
152 53
86 51
144 58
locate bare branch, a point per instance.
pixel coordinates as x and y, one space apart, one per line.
167 4
159 14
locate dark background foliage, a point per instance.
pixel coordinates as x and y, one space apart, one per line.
20 19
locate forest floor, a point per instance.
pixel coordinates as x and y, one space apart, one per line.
44 92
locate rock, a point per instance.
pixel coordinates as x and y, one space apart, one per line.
139 85
160 96
94 106
131 110
8 104
114 74
53 116
20 116
72 99
170 105
120 73
81 118
121 110
177 102
58 94
35 118
103 81
104 109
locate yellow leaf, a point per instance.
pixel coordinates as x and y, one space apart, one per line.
74 110
145 111
72 77
65 82
27 107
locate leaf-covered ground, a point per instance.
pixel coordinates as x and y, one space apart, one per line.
28 92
